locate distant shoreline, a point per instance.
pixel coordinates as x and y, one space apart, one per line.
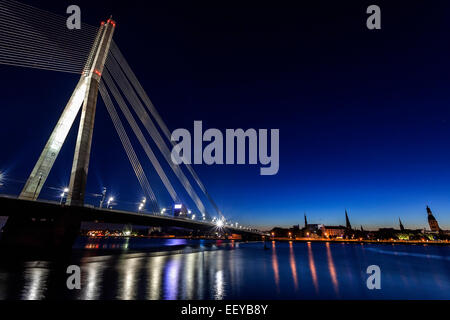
439 242
320 240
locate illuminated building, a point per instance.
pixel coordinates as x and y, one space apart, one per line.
333 231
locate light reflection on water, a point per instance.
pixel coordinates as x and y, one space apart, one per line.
276 271
128 278
35 277
238 271
93 281
171 275
332 269
293 265
312 267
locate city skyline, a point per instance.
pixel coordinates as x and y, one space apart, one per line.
400 222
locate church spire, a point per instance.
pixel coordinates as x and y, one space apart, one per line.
402 228
347 220
434 226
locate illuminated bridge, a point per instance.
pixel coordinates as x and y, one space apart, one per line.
34 38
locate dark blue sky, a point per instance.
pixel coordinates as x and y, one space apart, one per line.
363 115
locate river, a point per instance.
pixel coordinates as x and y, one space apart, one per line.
174 269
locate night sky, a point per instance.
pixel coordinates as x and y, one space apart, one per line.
363 115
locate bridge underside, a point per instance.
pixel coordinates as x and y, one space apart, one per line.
38 225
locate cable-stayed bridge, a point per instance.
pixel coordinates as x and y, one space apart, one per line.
34 38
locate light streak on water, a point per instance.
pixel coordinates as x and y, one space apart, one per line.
293 265
332 269
312 268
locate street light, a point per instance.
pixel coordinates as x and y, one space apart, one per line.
65 191
219 223
142 204
111 199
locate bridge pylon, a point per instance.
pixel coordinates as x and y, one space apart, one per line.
84 95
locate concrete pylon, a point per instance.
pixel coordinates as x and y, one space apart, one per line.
80 166
82 93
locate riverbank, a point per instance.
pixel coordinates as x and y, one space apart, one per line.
278 239
412 242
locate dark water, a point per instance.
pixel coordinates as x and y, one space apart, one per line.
181 269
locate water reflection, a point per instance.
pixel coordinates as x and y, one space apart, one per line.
312 268
276 271
189 264
219 283
35 277
244 272
92 283
176 242
200 283
332 269
293 265
128 278
171 274
155 267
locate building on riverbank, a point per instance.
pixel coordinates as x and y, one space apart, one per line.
333 231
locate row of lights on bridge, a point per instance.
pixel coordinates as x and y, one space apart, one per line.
109 203
219 222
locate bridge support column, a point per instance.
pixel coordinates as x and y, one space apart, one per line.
51 151
84 94
36 229
78 178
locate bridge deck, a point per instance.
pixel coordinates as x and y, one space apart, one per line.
42 210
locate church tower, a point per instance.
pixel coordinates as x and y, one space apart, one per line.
434 226
347 221
402 228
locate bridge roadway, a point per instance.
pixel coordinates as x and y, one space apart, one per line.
44 224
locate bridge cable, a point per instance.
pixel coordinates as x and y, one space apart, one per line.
133 99
40 15
154 112
128 147
35 38
151 156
